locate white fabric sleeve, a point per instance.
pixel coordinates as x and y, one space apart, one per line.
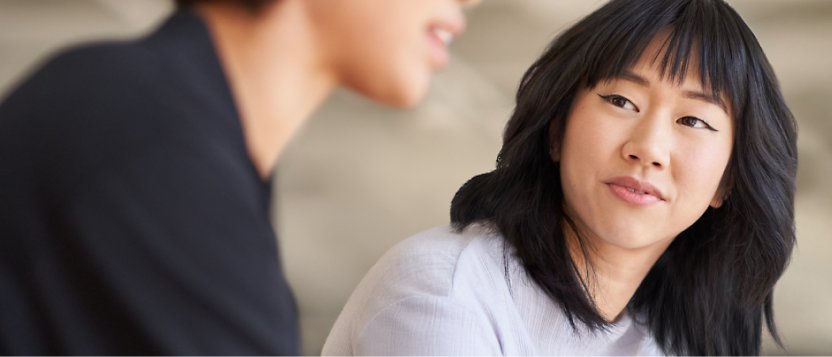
426 325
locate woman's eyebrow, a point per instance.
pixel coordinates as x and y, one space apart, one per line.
711 99
632 77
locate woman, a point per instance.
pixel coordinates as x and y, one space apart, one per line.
135 208
642 204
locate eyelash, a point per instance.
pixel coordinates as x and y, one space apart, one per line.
706 125
616 99
621 102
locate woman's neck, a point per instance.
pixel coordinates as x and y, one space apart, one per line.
276 71
613 274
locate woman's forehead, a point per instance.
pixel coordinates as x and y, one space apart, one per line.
658 62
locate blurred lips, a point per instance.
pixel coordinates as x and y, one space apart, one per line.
440 34
635 191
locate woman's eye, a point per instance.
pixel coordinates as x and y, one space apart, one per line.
619 101
695 122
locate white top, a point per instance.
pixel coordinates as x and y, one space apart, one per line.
443 293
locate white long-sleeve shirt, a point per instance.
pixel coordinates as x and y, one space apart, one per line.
444 293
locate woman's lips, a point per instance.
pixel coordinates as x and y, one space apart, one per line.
438 41
634 191
440 34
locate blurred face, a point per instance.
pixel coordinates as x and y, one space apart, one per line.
642 158
387 50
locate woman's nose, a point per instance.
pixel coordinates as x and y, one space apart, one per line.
469 3
648 144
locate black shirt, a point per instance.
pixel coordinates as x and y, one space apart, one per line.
132 220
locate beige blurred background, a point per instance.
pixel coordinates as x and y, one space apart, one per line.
360 178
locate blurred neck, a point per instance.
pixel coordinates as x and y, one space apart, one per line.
275 68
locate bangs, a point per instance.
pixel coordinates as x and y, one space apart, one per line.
697 34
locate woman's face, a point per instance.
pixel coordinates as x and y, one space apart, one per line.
388 49
642 158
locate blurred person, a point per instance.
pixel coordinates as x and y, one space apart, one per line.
642 203
135 176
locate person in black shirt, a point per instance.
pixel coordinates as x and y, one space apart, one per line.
134 176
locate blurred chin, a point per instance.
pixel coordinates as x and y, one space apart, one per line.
404 100
404 91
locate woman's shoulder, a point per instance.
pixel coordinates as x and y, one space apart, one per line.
437 263
433 261
442 278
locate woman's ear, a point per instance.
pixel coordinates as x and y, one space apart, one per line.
554 143
554 153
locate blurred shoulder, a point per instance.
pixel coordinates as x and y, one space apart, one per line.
106 62
88 82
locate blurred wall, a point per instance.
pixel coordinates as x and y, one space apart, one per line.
360 178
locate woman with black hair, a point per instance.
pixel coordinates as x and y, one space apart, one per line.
642 203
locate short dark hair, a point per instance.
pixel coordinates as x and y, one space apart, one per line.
254 5
711 289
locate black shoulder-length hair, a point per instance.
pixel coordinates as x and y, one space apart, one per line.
710 291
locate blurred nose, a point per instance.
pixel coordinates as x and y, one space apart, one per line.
648 144
469 3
